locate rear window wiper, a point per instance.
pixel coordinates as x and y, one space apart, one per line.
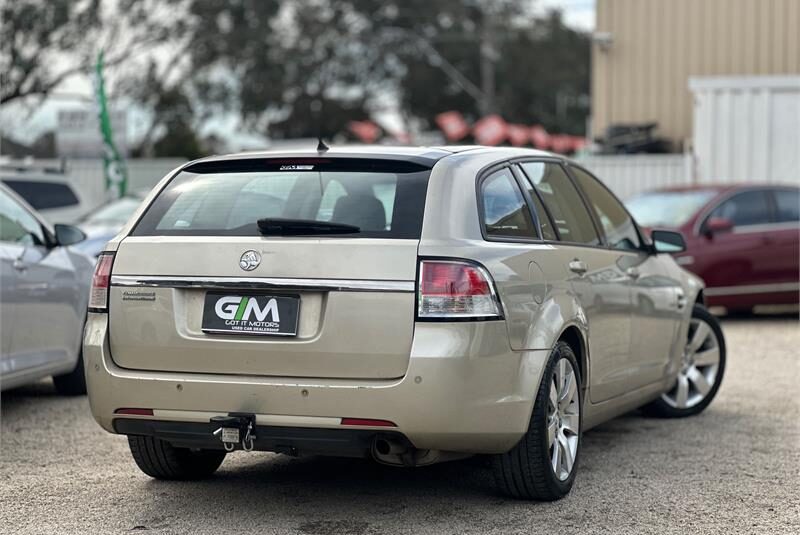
274 226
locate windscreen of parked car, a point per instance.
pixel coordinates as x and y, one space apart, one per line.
670 209
114 213
382 200
43 195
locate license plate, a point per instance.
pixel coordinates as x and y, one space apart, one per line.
226 313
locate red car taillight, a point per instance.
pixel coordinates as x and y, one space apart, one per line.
101 280
450 289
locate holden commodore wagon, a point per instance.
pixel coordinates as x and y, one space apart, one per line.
409 305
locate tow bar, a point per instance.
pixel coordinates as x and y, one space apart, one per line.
236 429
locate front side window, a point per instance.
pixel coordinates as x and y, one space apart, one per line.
382 204
17 225
572 220
744 209
43 195
505 213
618 226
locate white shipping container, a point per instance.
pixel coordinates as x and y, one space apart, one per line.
746 128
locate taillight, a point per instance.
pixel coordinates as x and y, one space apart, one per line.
101 280
456 289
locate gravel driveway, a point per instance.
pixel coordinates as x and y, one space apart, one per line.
733 469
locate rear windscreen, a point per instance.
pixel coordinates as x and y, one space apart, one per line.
382 200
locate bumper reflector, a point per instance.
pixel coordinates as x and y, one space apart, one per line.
135 412
368 422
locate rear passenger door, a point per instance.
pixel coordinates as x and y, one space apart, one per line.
785 235
596 275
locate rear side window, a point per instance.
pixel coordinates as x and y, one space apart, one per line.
618 226
546 226
505 213
43 195
787 205
572 220
381 202
746 208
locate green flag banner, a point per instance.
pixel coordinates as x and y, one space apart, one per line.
116 174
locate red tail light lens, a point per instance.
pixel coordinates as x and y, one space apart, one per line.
454 289
101 280
135 412
369 422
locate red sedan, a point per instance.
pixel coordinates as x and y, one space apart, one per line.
743 240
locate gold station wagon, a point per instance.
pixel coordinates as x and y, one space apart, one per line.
409 305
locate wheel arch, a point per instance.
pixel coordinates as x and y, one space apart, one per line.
573 336
700 298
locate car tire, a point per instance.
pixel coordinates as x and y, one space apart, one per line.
527 471
706 363
72 383
162 460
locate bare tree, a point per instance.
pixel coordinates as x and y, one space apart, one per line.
45 42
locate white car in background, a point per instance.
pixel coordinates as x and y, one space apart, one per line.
44 289
102 224
47 191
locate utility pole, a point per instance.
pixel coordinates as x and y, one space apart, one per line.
489 55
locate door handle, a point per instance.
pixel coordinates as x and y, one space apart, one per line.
578 266
633 273
19 265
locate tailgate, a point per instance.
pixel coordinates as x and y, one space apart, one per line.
354 297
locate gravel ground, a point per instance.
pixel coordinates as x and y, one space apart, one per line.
733 469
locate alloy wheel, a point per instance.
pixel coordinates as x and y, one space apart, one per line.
699 367
563 421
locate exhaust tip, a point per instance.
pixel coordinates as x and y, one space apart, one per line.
382 446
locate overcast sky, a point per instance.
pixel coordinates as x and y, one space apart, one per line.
577 13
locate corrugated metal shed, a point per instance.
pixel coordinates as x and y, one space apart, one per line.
657 45
747 129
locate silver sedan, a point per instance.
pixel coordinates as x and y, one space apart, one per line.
44 289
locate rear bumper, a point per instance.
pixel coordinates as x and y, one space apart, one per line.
465 390
288 440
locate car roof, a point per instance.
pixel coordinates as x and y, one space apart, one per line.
424 155
33 177
721 188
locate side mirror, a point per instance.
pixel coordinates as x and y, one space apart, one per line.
668 241
716 225
68 235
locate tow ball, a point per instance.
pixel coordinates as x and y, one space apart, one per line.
236 429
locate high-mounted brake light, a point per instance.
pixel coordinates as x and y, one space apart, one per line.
101 280
456 289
